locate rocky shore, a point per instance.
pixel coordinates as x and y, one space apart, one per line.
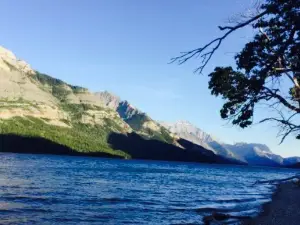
284 209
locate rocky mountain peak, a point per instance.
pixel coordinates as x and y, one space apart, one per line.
8 62
184 126
110 100
255 146
183 123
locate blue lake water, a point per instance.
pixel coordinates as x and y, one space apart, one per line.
48 189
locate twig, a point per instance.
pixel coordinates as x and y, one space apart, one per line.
185 56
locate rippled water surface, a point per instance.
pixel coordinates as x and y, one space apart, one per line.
46 189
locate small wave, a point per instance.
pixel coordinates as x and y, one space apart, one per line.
30 199
194 223
75 220
115 200
149 203
250 212
200 210
2 211
180 209
210 209
239 200
102 216
37 210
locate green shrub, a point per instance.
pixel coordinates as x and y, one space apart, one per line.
83 138
77 89
60 92
47 80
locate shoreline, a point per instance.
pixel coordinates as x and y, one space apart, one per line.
284 208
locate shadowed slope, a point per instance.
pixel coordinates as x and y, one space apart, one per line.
139 148
20 144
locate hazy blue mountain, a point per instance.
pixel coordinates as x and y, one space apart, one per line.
251 153
260 154
188 131
291 160
255 154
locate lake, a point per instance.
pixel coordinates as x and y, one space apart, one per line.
51 189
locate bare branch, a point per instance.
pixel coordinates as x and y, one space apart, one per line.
225 28
285 135
280 121
287 126
253 9
282 100
215 44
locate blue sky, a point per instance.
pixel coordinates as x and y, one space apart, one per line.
125 46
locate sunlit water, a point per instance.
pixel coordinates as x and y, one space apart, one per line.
46 189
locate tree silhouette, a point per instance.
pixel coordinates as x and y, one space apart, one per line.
263 68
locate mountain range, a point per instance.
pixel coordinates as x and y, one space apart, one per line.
250 153
42 114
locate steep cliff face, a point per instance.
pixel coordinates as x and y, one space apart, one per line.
138 121
186 130
20 95
191 133
8 62
37 105
110 100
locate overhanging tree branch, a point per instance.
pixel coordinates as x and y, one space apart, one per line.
271 55
282 100
206 56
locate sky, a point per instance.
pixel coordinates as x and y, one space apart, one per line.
125 47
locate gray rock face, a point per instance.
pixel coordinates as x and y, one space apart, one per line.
191 133
127 111
9 61
20 95
108 99
124 108
255 154
251 153
259 147
139 121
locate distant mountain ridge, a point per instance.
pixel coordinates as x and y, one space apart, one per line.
37 109
43 114
255 154
251 153
139 121
186 130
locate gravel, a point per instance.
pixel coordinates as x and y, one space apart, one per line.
283 210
